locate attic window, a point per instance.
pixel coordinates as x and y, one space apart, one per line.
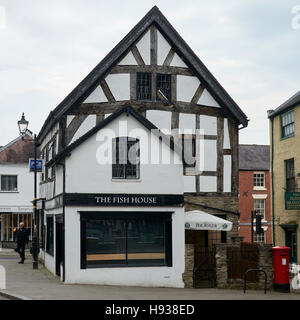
163 84
143 85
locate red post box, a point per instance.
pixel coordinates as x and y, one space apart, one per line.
281 268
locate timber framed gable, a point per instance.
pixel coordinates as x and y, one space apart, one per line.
196 101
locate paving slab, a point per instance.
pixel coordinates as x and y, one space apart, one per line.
27 283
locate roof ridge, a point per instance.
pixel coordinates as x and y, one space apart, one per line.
154 16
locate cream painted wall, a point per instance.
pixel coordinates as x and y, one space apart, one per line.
285 149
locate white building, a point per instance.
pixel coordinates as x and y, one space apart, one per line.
16 187
151 79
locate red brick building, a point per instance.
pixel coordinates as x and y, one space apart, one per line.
254 190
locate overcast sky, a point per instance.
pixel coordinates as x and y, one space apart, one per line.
252 47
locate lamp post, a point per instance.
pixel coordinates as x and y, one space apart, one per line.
23 124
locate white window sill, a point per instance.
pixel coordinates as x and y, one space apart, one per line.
126 180
9 191
260 188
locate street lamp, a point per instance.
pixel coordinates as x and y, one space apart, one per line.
23 124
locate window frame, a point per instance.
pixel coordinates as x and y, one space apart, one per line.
259 187
165 217
283 126
139 85
290 178
130 142
9 175
259 208
167 94
260 238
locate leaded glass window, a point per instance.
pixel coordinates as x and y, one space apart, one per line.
143 85
163 83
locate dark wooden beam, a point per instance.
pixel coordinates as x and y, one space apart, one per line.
153 46
137 55
220 160
169 58
234 144
152 69
74 126
198 93
186 107
107 91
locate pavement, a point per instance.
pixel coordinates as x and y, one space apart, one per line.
24 283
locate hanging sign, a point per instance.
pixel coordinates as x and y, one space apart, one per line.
39 165
292 200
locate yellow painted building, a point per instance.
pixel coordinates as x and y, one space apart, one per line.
285 175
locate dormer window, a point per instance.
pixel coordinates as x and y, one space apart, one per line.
126 160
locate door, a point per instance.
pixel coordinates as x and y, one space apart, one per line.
59 246
204 268
291 241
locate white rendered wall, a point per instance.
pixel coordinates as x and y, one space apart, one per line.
96 96
186 87
177 62
187 123
119 85
85 174
163 48
226 144
24 195
132 276
144 47
86 125
208 184
227 174
161 119
189 183
210 155
206 99
208 125
128 60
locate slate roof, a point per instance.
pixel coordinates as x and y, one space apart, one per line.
291 102
254 157
153 17
18 150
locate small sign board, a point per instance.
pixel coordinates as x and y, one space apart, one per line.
292 200
39 165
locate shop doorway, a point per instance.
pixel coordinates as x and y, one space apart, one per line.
291 241
290 231
58 246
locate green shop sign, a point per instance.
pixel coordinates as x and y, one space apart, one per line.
292 200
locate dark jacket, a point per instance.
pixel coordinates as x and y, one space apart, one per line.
22 236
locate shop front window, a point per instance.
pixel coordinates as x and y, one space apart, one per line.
132 241
50 236
11 222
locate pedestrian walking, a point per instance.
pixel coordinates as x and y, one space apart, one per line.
22 240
